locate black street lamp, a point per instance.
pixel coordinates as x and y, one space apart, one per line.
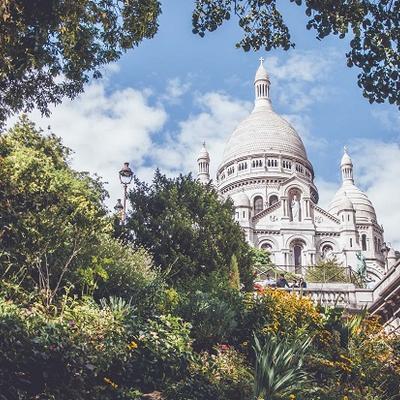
125 177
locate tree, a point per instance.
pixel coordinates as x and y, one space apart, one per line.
372 28
50 215
234 276
49 49
186 227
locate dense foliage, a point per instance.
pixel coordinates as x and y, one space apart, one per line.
116 330
372 28
186 227
55 234
49 49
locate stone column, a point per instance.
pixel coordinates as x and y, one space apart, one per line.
307 207
285 208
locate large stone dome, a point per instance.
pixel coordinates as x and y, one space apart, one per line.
264 131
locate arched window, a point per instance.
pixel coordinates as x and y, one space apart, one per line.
326 251
273 199
376 244
364 242
266 247
258 204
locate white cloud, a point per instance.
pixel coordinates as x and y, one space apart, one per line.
307 66
326 191
105 130
218 116
376 167
175 89
389 118
300 80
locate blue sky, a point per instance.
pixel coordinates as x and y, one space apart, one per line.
161 100
212 63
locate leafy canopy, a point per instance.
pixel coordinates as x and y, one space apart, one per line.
186 227
372 28
50 48
50 215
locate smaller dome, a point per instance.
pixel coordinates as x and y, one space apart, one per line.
204 155
346 203
242 200
346 160
261 72
365 211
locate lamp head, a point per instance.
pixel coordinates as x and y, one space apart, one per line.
125 174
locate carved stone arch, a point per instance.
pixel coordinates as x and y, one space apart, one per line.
269 244
257 202
273 198
297 247
375 274
323 247
295 186
296 236
294 208
268 240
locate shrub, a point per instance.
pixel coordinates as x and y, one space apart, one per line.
163 353
205 301
63 355
278 312
119 270
222 374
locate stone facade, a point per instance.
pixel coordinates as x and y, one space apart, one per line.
266 172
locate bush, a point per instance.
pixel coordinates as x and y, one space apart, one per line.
279 312
119 270
80 350
205 301
163 352
64 355
222 374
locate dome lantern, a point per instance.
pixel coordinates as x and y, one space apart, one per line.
203 162
261 85
346 166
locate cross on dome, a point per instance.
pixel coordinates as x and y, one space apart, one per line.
261 59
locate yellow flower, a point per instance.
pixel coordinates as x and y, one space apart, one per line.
292 397
133 345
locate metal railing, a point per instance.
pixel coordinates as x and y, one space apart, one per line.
310 273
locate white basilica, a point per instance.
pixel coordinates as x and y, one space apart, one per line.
266 172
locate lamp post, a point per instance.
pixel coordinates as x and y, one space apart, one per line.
125 177
385 251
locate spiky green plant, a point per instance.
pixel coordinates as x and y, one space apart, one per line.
279 366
